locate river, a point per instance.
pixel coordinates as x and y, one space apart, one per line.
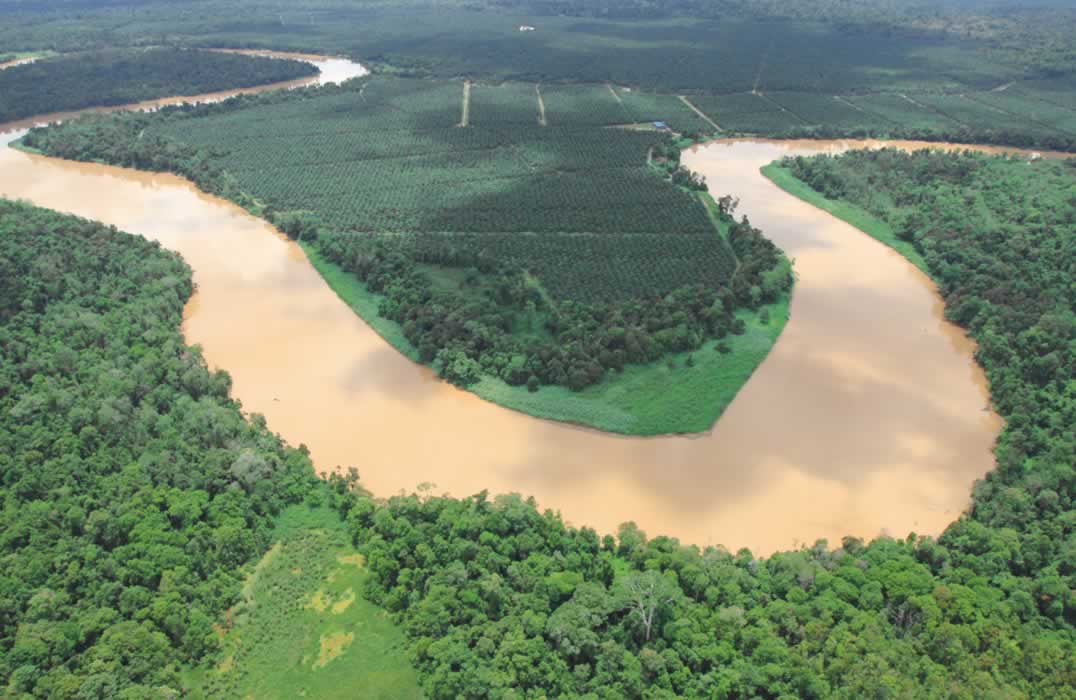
869 416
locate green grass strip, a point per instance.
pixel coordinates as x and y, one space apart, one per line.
861 219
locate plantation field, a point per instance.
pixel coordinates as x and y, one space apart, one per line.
505 104
651 107
1039 111
388 158
747 112
971 113
303 627
582 105
1057 91
826 109
900 110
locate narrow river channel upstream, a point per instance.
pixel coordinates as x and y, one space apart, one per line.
870 416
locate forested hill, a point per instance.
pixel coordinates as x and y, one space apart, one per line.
116 77
132 490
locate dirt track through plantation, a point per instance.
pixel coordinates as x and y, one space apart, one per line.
699 112
466 109
541 105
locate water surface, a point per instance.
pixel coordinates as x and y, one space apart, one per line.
868 417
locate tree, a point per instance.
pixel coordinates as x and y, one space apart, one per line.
646 595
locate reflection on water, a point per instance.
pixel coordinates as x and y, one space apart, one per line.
868 416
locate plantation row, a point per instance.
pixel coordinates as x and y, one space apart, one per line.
349 160
616 202
563 149
650 107
588 268
576 104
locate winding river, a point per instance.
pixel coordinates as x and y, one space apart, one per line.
869 416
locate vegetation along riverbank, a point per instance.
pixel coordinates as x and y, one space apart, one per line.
571 271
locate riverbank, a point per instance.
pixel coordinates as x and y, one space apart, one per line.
678 393
862 220
685 392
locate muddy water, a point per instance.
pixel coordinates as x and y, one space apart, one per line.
868 417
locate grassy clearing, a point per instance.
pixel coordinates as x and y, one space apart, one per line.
667 396
303 628
864 221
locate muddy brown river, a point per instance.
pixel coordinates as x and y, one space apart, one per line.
869 416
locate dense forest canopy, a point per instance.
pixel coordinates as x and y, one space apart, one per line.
132 489
117 77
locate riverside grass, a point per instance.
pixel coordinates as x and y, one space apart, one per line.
670 396
848 213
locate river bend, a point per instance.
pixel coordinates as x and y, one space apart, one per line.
868 417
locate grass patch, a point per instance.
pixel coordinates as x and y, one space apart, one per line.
667 396
354 293
302 629
862 220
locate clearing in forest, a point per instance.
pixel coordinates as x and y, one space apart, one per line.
303 629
